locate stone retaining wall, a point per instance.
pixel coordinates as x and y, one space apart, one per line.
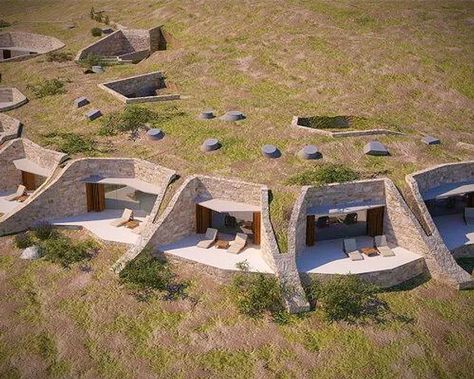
30 42
384 278
10 128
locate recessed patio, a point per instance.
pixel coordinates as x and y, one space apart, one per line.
328 257
99 223
7 206
454 231
220 258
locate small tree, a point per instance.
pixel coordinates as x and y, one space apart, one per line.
107 20
92 13
96 32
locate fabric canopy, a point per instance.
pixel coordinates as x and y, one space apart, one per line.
447 190
227 206
343 208
137 184
28 165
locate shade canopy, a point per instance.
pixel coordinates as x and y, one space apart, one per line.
227 206
135 183
28 165
449 189
344 208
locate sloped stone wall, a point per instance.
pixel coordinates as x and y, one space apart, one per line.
9 152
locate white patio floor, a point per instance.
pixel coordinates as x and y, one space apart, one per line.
327 257
220 258
5 205
454 231
99 224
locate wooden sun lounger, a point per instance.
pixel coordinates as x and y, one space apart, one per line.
211 236
126 217
238 244
21 190
380 243
350 248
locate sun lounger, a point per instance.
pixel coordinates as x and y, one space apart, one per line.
238 244
211 235
380 243
126 217
139 230
350 248
469 216
19 193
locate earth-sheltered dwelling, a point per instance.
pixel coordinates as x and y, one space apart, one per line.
24 170
126 45
10 128
142 88
18 46
363 211
113 198
236 211
11 98
442 198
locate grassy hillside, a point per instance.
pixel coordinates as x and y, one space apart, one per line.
81 323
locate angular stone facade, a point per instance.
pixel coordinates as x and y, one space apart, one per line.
64 195
22 148
11 98
400 226
10 128
441 261
18 46
126 45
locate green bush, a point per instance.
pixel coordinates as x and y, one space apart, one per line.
326 174
4 23
59 56
23 240
64 251
92 60
96 32
72 143
130 120
146 274
47 88
43 230
347 298
255 295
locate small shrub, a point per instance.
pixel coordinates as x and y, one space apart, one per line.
58 56
130 120
43 231
347 298
23 240
92 13
64 251
255 295
96 32
92 60
72 143
107 20
49 87
146 274
4 24
330 173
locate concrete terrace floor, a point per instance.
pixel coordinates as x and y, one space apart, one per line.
98 223
5 205
327 257
454 231
220 258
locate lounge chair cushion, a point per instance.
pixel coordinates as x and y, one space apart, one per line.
19 193
355 256
350 245
238 244
127 216
211 235
382 246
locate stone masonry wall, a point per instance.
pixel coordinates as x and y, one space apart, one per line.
11 177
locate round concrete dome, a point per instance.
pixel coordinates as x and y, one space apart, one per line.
210 144
207 115
155 134
309 152
233 116
270 151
